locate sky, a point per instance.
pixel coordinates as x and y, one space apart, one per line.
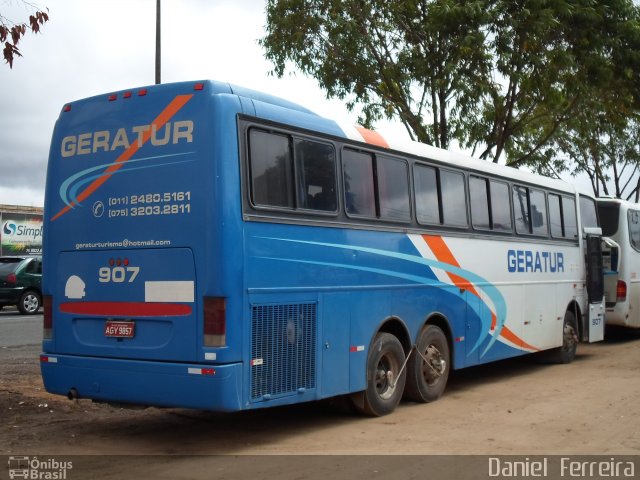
91 47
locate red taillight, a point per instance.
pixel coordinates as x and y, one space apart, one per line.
11 278
621 291
113 97
67 108
142 93
198 86
215 321
47 332
126 95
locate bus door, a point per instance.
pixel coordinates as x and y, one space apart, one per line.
610 262
593 322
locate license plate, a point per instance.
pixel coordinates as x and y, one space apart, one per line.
119 329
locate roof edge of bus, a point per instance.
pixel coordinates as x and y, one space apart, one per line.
214 86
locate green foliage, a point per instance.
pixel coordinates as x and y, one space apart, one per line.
512 78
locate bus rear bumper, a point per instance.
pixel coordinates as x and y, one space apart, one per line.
142 382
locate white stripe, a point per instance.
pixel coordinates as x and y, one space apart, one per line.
173 291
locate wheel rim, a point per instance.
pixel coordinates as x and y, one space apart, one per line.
569 338
30 303
434 365
386 373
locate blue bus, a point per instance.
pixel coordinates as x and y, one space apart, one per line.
212 247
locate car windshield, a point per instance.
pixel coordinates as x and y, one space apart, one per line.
8 265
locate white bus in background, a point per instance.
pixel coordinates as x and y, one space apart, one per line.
620 221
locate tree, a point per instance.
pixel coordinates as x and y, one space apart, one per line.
502 78
11 32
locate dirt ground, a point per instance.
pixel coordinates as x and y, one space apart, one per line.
516 407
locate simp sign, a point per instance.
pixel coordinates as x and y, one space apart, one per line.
37 469
20 234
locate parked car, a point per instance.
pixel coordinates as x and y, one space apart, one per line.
20 279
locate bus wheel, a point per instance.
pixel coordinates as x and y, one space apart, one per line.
385 382
428 369
567 352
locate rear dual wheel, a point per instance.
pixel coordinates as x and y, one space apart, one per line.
385 380
428 368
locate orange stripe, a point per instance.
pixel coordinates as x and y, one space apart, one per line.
371 137
171 109
443 254
513 338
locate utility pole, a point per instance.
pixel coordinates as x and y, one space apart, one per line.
158 42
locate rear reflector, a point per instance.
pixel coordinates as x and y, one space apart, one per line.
47 359
198 86
113 97
201 371
67 108
47 332
621 291
215 321
142 93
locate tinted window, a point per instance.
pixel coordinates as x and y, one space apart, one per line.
608 214
479 198
538 212
9 265
271 169
426 192
358 183
555 216
500 208
316 168
569 217
393 189
521 209
633 217
272 174
454 205
588 212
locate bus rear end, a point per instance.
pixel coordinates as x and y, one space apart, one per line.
134 309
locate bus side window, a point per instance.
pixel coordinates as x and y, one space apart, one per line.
634 228
426 194
538 212
521 209
358 183
479 196
393 189
569 219
316 167
271 169
454 202
555 216
500 207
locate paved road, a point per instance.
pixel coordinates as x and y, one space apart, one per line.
19 330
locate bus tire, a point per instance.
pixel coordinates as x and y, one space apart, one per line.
428 369
567 352
384 385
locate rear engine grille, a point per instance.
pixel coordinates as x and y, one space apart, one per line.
283 349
